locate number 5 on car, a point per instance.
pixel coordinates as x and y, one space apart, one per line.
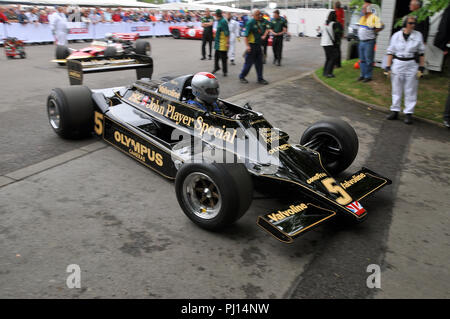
98 123
333 188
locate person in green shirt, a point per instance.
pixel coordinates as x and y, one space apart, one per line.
278 27
207 24
221 43
253 36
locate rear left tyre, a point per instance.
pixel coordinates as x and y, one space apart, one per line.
214 195
71 111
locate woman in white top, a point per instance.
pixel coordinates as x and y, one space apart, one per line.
330 38
405 65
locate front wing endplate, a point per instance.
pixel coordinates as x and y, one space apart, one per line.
289 223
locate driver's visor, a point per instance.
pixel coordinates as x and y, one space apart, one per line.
212 91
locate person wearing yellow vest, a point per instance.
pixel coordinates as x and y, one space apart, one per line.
369 26
221 43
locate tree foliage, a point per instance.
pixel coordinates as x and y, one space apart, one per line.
359 3
429 8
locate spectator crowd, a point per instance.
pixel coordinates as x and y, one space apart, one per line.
21 14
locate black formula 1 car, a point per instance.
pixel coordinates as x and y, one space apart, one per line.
217 160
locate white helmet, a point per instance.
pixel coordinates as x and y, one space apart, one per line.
108 36
205 87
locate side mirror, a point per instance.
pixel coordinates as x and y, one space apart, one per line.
247 106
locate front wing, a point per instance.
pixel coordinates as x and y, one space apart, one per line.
299 217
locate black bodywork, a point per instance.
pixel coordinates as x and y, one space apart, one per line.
150 121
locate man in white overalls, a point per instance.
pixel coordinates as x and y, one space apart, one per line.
58 25
405 65
234 28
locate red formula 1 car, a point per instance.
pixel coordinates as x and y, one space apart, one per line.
14 47
114 45
187 32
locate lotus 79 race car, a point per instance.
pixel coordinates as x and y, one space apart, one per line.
216 160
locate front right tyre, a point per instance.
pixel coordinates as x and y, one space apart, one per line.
335 140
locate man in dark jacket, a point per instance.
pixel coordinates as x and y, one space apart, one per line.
207 24
423 26
278 26
23 19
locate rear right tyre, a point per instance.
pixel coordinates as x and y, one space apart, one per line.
110 52
62 52
142 47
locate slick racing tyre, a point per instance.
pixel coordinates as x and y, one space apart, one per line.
176 34
71 111
214 195
62 52
142 47
335 140
110 52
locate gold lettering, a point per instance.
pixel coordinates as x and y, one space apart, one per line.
117 136
292 210
316 177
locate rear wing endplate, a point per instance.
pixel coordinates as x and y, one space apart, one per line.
143 65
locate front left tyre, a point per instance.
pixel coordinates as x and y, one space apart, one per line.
214 195
71 111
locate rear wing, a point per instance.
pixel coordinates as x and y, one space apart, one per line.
143 65
126 36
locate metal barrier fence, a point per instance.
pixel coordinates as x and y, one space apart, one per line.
32 33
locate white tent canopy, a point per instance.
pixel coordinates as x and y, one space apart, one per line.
199 7
180 6
128 3
93 3
214 7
